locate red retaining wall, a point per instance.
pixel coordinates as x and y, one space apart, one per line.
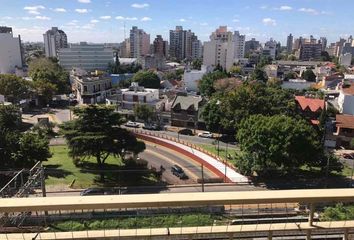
184 152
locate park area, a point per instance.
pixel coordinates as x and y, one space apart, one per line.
61 171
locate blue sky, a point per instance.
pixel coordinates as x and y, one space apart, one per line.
103 20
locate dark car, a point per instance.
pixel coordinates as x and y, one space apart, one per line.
153 127
103 191
186 131
178 171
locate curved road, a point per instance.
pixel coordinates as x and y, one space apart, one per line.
157 155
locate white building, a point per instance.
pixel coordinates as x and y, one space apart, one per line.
345 59
346 100
224 48
88 57
54 39
139 43
191 78
90 88
10 51
197 49
271 70
136 94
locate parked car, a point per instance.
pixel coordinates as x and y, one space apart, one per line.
103 191
178 171
132 124
186 131
205 135
153 127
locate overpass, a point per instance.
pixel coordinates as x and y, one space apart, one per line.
44 211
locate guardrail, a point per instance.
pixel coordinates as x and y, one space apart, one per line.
255 200
186 143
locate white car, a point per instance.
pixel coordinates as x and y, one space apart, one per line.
132 124
205 135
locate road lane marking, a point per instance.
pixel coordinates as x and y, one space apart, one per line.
189 173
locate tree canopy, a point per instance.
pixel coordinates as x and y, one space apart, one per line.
18 149
48 78
96 132
147 79
276 144
143 112
308 75
14 88
206 84
247 99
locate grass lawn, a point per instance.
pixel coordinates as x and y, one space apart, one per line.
61 170
171 220
222 151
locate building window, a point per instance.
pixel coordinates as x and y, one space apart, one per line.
85 88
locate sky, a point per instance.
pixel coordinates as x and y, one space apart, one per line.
102 21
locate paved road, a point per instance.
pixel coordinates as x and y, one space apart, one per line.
157 155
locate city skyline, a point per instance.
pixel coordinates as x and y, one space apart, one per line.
104 21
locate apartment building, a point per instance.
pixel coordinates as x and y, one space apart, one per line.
10 51
54 39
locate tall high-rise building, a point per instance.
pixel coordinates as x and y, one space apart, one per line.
310 51
54 39
10 51
251 46
160 46
224 48
181 42
124 49
323 41
139 43
270 49
88 57
289 43
197 49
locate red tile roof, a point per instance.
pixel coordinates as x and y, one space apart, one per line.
345 121
314 104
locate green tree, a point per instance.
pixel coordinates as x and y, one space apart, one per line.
46 71
17 149
212 115
147 79
352 143
206 84
290 75
259 75
276 144
96 132
308 75
197 64
143 112
235 70
14 88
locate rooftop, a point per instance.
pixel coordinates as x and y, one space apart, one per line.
345 121
314 104
186 102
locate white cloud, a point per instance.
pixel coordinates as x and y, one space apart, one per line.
182 20
235 20
34 8
126 18
269 22
34 12
84 1
144 19
88 26
26 18
309 10
285 8
72 23
42 18
94 21
140 5
105 17
264 7
204 24
59 10
81 10
6 18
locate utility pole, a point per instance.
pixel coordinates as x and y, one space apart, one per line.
202 177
